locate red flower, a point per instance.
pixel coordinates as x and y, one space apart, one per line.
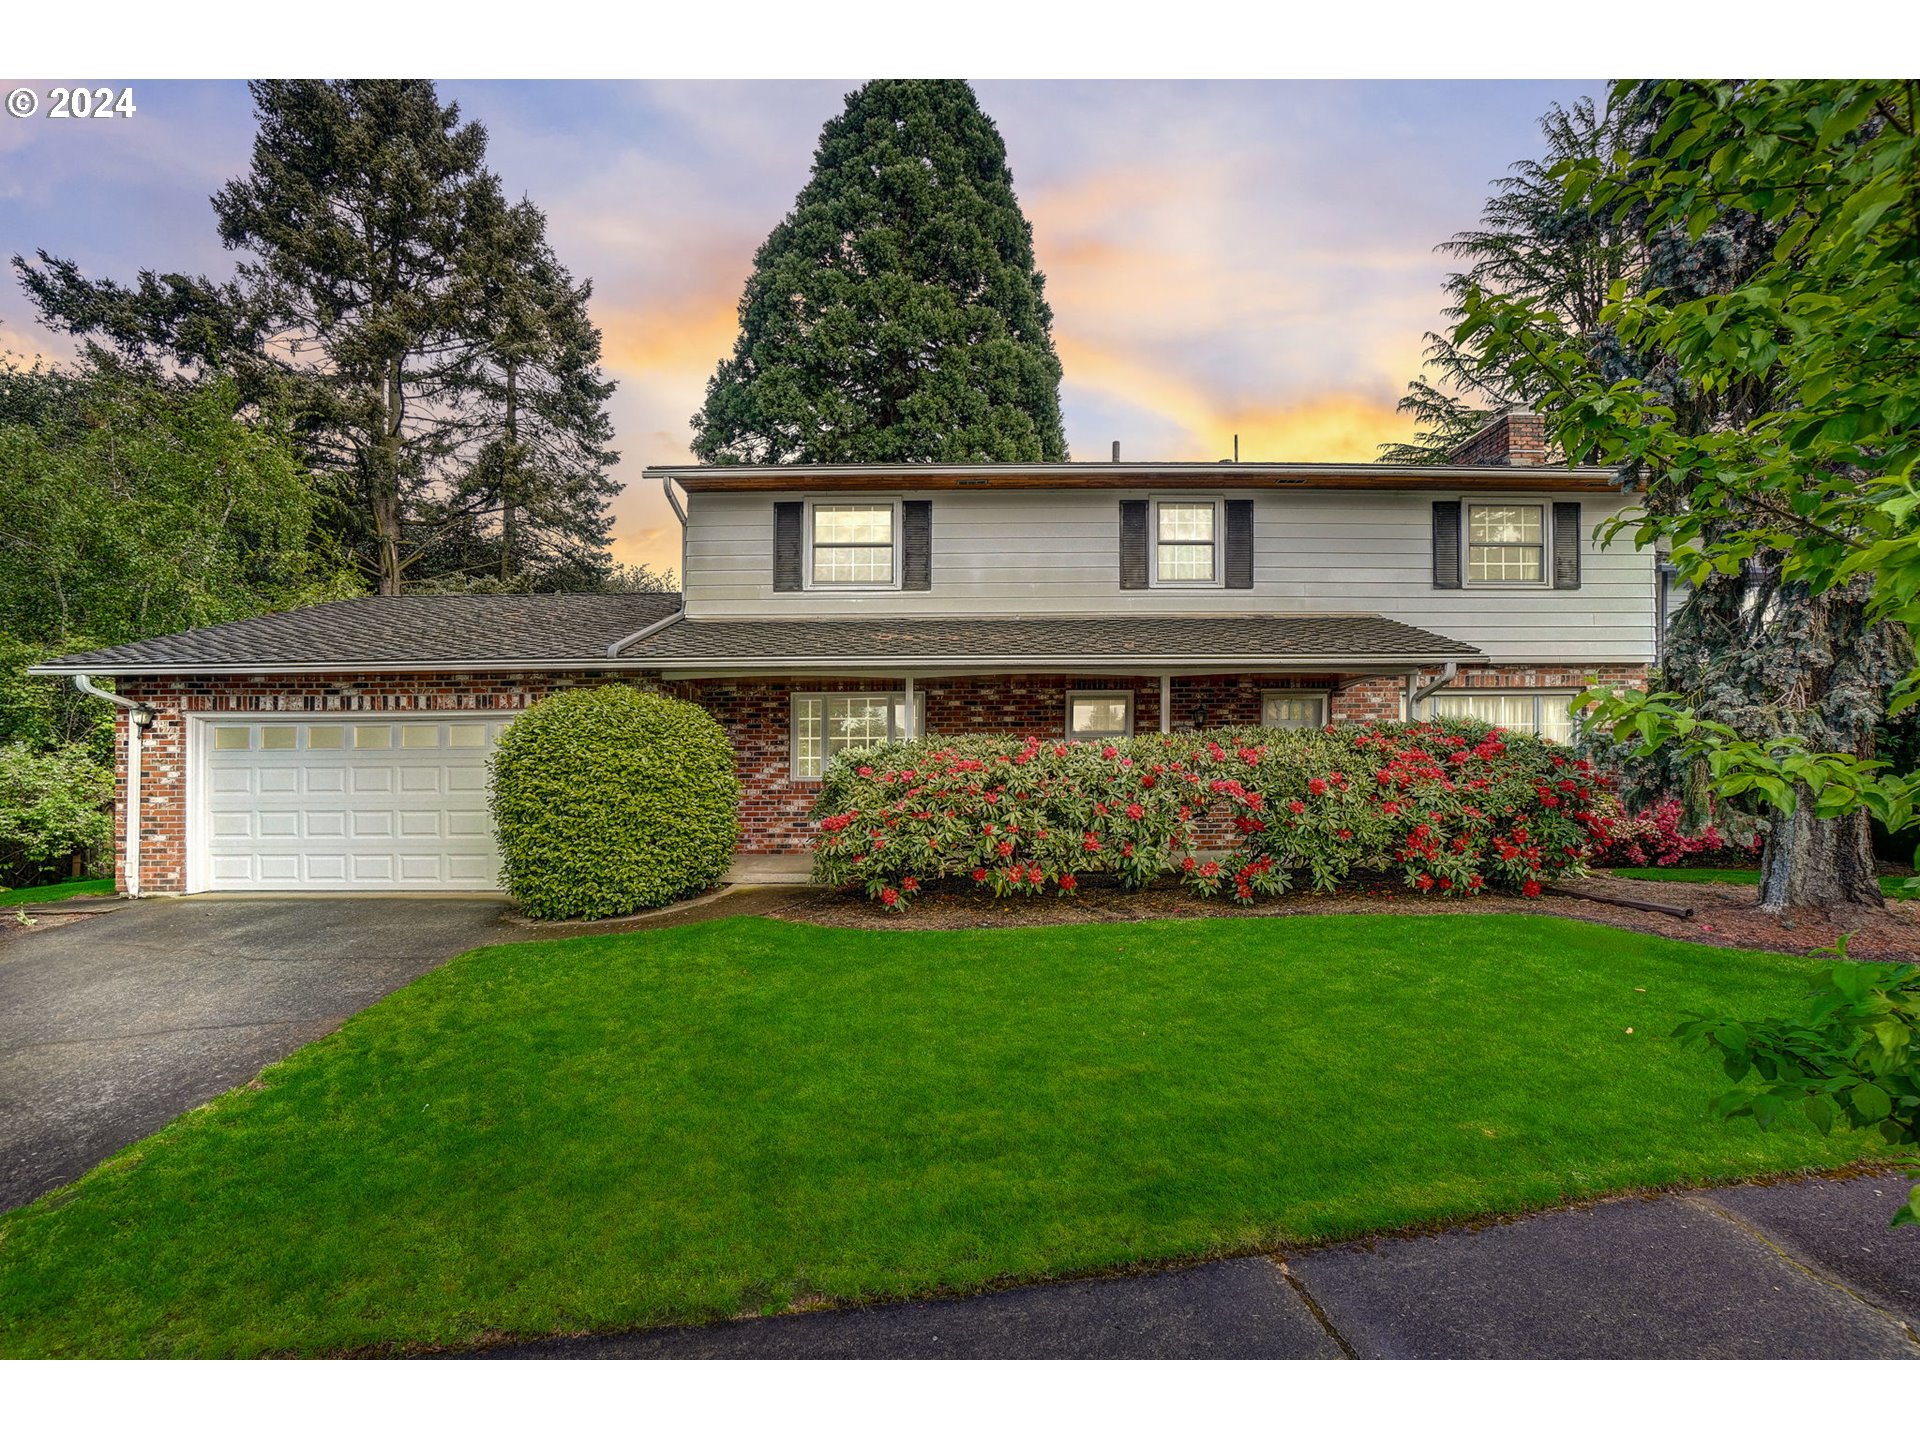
979 876
889 896
1067 882
1296 807
1005 847
1107 752
1136 812
864 770
1424 881
1316 786
1531 889
910 884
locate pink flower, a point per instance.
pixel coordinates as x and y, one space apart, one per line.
864 770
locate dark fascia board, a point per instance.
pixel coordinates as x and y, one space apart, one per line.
1095 474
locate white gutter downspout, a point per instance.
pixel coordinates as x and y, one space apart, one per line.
1416 695
613 650
139 718
666 485
1166 703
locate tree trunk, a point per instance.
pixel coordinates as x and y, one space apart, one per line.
386 483
510 473
1820 863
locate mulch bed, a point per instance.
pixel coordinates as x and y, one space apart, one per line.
1726 915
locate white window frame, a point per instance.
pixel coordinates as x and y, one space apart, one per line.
1123 695
895 722
875 502
1541 698
1320 695
1153 542
1467 504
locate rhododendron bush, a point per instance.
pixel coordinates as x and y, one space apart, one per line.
1657 836
1451 808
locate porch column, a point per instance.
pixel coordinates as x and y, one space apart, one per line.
1166 704
909 725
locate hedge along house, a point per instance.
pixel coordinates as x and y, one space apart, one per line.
343 747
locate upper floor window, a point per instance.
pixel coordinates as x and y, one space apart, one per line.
853 544
1506 544
1185 535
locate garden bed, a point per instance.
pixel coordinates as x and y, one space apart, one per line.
1723 915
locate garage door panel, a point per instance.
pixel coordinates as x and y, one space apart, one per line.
398 804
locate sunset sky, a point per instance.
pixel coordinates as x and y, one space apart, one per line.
1221 257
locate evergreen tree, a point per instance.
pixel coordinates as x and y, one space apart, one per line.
367 308
895 315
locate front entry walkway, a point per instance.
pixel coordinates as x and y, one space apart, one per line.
113 1025
1788 1271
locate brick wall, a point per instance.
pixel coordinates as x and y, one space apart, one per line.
756 714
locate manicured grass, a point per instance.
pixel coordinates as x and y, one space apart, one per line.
1706 875
65 890
735 1116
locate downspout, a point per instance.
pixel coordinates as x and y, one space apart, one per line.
140 718
613 650
1415 695
666 486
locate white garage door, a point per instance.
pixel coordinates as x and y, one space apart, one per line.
375 804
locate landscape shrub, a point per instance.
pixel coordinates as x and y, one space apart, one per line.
1656 837
1451 808
54 805
610 800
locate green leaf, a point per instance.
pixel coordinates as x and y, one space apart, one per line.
1871 1101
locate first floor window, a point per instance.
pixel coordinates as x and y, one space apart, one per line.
1293 710
1546 713
824 725
1506 544
853 545
1183 543
1099 714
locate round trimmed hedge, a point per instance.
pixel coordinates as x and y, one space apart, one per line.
611 800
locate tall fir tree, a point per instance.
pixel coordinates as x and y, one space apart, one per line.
896 314
368 308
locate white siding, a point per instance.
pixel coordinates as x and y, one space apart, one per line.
1315 551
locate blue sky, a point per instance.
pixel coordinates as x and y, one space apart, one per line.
1221 256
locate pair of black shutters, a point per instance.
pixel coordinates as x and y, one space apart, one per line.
1136 545
790 545
1449 562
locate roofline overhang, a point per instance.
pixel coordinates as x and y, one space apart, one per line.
1248 474
819 664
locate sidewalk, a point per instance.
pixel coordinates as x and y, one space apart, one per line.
1789 1271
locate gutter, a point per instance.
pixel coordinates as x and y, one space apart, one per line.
140 718
642 633
1066 470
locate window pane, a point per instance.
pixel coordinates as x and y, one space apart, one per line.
919 715
278 737
1556 718
1511 712
1099 716
866 565
1503 562
325 737
1186 522
807 753
1186 562
1291 712
372 737
1503 524
853 524
856 720
232 737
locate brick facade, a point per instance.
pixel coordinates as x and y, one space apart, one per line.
756 714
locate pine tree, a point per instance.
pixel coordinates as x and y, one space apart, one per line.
374 307
895 315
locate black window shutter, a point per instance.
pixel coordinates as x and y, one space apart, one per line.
1239 567
916 534
1446 544
1133 544
789 541
1566 544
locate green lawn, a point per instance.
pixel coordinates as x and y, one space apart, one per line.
1706 875
65 890
738 1115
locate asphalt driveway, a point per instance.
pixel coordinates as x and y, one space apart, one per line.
112 1026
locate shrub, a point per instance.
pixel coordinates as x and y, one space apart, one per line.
1655 837
54 805
610 800
1451 808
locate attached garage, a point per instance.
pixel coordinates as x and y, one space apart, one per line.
366 802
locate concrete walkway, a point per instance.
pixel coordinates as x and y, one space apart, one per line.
113 1025
1790 1271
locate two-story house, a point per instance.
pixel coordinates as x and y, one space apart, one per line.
343 746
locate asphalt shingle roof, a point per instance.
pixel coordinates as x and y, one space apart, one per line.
432 630
1045 638
452 632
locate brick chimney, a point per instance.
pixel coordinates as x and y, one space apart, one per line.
1518 437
